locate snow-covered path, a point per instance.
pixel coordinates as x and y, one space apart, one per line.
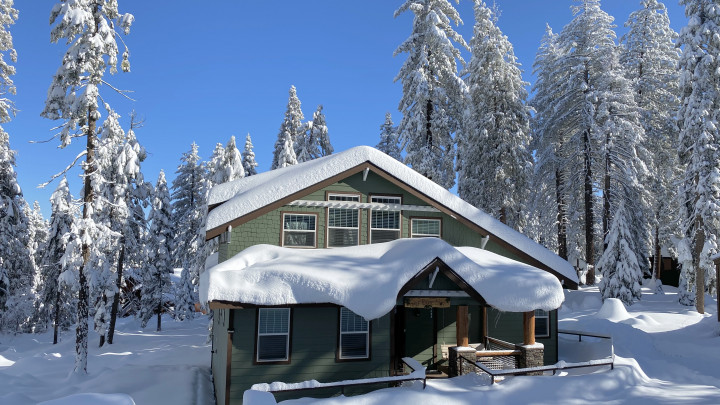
168 367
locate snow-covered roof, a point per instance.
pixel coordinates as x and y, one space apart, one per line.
368 278
247 195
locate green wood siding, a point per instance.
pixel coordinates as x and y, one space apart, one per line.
219 354
314 343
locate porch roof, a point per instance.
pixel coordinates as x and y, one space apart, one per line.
368 278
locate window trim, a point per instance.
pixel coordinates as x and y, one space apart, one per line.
368 338
546 317
400 216
327 217
257 361
410 228
282 228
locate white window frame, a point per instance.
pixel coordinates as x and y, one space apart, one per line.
398 201
366 332
314 231
260 334
422 235
354 198
542 316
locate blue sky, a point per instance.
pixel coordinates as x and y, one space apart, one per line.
203 71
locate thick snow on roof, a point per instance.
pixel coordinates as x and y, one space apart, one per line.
246 195
367 278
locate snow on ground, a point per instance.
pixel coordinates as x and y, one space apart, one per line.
141 367
665 354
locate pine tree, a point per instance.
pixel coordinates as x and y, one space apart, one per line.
248 158
17 272
618 263
319 134
699 144
189 193
231 167
549 213
497 129
55 297
291 137
17 267
156 278
584 43
651 58
389 142
433 93
89 30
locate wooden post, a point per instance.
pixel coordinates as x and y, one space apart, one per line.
529 328
484 324
461 326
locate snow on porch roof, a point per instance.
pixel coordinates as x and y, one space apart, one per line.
244 196
367 278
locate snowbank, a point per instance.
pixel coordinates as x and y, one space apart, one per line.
367 279
613 310
243 196
92 399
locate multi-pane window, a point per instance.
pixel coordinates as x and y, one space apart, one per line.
299 230
354 335
273 342
384 225
343 223
425 227
542 323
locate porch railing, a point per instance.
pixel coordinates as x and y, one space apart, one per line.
498 354
417 374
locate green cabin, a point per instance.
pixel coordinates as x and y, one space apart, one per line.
314 224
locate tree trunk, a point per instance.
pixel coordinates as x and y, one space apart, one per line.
159 307
81 331
589 217
116 299
658 254
606 193
57 316
699 271
561 217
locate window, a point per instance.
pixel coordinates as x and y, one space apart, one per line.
273 342
354 335
343 229
384 225
425 227
299 230
542 323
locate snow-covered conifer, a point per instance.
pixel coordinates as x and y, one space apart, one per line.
618 263
650 58
17 270
319 133
248 158
88 28
156 278
226 163
291 137
55 298
494 159
389 142
582 45
699 143
549 213
433 93
189 193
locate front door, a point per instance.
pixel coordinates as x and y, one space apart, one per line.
420 335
